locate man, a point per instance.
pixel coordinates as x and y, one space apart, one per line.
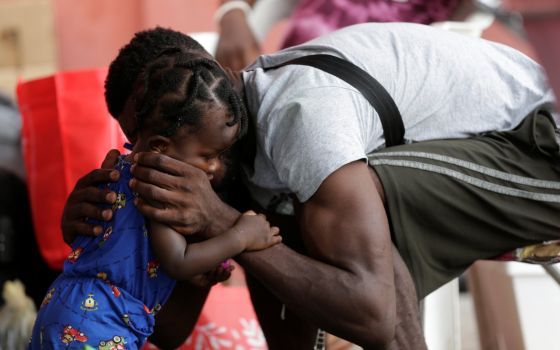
444 204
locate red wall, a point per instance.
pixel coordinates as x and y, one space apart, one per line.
90 32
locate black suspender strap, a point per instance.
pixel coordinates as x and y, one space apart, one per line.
371 89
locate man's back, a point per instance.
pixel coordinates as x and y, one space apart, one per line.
446 86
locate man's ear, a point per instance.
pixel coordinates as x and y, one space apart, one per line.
159 144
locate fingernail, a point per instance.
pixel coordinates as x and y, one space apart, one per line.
114 175
135 157
132 182
107 213
132 167
135 201
111 197
97 230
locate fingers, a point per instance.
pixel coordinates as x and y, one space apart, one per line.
74 220
93 195
110 159
221 274
88 210
96 177
169 216
75 228
84 203
153 194
276 238
154 177
160 162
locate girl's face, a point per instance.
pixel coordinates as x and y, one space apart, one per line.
205 146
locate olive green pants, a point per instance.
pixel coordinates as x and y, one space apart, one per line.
451 202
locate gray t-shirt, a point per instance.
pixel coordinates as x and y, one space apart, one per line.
446 85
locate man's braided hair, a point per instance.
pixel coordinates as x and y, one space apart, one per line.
177 81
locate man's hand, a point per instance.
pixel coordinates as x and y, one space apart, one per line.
348 273
179 195
83 202
237 46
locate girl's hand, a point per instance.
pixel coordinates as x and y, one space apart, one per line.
219 274
255 230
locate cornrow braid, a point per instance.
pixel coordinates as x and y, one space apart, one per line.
179 86
144 47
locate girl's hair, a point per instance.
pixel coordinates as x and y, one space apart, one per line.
178 87
173 81
144 47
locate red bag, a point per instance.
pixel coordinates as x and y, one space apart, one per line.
66 133
227 321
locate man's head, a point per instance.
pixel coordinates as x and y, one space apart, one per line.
171 96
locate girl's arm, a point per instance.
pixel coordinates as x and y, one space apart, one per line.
182 261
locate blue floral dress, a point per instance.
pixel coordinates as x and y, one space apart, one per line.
111 286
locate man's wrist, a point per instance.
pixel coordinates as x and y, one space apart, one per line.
225 218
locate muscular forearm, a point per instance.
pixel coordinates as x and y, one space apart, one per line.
224 219
299 281
337 300
176 321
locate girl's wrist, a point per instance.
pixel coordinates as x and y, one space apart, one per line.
237 238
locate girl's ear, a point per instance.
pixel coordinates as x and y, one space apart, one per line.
159 144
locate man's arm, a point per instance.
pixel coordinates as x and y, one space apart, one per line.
176 320
347 285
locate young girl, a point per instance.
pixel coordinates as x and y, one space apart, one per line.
113 284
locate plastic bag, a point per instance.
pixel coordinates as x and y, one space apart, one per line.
66 133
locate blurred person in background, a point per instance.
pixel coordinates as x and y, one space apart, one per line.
18 247
10 140
244 24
